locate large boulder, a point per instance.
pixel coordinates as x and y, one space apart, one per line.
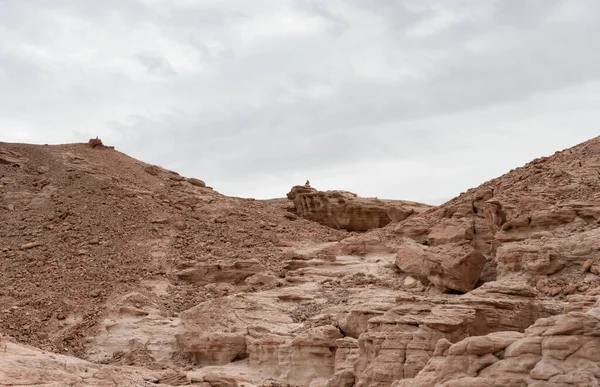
455 266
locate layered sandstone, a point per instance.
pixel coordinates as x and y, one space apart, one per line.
345 210
556 351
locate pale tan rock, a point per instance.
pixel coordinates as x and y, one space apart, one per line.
133 321
555 351
22 365
265 278
451 231
219 380
455 266
225 329
415 227
410 282
343 378
346 355
361 245
530 258
215 348
451 266
400 343
313 355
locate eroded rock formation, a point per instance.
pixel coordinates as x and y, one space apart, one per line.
556 351
454 266
345 210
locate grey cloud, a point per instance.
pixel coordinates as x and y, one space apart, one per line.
212 54
336 23
273 90
156 64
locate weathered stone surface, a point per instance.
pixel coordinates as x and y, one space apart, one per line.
196 182
451 231
343 378
216 272
22 365
345 210
399 344
313 355
12 158
450 266
555 351
233 327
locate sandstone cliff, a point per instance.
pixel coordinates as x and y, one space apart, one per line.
345 210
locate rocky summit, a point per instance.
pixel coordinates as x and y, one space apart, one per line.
116 272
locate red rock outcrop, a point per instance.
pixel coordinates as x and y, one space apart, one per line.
345 210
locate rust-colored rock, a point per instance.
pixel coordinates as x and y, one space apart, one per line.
95 143
345 210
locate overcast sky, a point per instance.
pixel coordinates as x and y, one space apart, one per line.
402 99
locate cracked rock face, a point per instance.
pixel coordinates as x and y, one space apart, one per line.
555 351
450 266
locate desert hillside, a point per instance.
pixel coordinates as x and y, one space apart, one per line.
117 272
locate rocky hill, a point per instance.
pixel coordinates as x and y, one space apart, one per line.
116 272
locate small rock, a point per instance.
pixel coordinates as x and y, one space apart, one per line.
176 178
219 380
95 143
410 282
586 266
290 216
152 170
180 225
590 278
82 252
196 182
31 245
265 278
